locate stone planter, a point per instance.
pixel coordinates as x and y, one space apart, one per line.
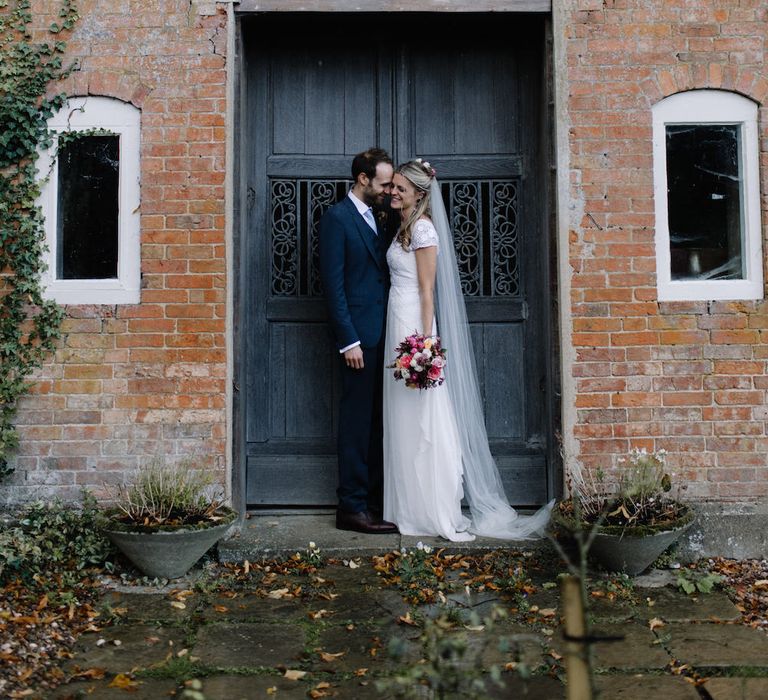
167 554
633 554
630 550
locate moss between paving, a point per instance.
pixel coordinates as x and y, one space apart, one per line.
337 625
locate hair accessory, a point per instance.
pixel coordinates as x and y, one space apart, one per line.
427 167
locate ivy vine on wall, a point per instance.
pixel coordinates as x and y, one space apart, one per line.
29 324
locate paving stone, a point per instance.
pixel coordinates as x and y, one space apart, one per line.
248 645
675 606
250 687
638 685
737 688
147 689
248 607
150 607
531 689
358 642
717 645
512 644
137 646
639 649
375 605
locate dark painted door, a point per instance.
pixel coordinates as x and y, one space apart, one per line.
471 104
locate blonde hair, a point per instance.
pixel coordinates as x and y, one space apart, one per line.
420 175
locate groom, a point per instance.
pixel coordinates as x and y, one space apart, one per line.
355 278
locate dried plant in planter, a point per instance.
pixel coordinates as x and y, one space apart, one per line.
169 496
168 518
637 500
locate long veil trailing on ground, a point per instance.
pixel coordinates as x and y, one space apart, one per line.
492 516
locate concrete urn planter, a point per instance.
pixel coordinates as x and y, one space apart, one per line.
168 553
633 553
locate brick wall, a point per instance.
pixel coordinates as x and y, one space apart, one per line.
686 377
132 382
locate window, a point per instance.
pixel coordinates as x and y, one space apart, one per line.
707 197
90 201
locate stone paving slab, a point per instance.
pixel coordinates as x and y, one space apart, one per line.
249 607
150 605
737 688
674 606
147 689
633 687
249 645
713 645
639 648
124 647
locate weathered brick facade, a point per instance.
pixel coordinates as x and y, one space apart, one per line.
688 377
130 382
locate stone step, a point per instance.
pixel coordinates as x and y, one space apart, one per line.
268 536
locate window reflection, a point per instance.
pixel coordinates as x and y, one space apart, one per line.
87 225
705 191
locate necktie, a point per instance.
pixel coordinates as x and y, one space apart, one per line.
368 216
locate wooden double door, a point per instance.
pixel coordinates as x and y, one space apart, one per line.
464 92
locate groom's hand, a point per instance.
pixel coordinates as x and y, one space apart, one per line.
354 358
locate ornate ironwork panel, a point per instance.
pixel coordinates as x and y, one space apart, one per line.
297 207
483 216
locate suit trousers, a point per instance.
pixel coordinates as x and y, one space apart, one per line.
360 439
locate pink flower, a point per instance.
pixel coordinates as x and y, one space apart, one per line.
405 361
434 372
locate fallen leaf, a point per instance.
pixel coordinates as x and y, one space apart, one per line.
326 656
151 640
221 608
406 619
277 594
548 612
361 672
294 675
762 584
319 614
123 682
178 605
474 628
272 690
94 673
655 623
246 567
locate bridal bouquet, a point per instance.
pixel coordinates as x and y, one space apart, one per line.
419 362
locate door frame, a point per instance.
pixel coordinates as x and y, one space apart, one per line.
243 195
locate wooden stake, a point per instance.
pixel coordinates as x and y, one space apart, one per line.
577 669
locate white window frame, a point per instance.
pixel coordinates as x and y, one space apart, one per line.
123 119
710 107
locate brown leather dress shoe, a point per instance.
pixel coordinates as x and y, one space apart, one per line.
363 522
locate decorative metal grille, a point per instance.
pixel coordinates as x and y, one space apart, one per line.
483 216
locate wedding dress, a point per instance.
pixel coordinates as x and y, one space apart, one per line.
435 442
422 455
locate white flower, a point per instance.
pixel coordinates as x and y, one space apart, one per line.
312 545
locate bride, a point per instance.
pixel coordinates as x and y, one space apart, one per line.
435 442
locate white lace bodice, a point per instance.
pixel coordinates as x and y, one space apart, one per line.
402 263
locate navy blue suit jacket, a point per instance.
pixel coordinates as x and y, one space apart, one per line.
353 270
